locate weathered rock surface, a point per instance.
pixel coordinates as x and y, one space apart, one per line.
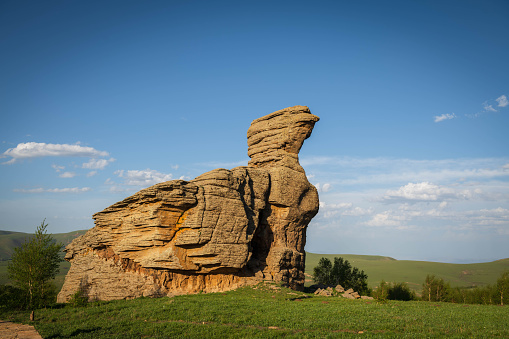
222 230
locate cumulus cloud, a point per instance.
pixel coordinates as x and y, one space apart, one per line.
145 177
502 101
54 190
34 150
67 175
424 191
91 174
97 163
443 117
328 210
323 188
387 219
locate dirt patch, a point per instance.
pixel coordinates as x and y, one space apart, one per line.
10 330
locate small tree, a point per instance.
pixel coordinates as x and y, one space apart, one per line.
381 293
503 287
342 273
33 265
435 289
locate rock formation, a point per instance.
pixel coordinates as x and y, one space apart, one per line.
222 230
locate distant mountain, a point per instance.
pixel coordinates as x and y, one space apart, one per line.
10 240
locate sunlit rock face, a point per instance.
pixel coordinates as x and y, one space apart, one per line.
220 231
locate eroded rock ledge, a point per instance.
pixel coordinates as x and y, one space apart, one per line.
220 231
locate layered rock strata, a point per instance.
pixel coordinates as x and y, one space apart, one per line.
220 231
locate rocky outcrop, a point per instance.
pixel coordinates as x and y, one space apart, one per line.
222 230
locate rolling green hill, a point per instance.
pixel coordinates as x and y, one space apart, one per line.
414 272
376 267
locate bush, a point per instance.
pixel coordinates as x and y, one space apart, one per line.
80 297
394 291
340 273
381 293
11 298
401 291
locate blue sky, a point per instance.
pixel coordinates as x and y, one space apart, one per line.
99 99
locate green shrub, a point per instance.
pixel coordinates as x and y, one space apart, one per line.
79 299
382 291
11 298
400 291
393 291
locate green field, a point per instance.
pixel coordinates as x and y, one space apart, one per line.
267 311
414 272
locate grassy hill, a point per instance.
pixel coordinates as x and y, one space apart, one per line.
414 272
376 267
10 240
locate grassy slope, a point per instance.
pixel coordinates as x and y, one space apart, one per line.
10 240
267 312
414 272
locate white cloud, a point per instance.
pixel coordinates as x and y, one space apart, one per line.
144 178
425 191
323 188
442 117
502 101
67 175
488 108
34 149
91 174
387 219
358 211
97 163
54 190
58 168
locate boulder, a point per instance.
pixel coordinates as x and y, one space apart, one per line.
339 289
219 231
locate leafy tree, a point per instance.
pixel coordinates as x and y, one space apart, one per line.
435 289
503 287
33 264
342 273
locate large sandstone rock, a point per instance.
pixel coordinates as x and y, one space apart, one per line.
222 230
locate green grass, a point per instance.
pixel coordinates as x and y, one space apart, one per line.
265 312
414 272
